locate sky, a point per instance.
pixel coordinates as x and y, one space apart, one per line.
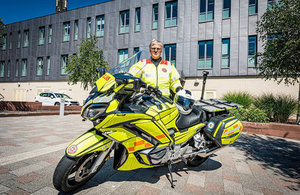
18 10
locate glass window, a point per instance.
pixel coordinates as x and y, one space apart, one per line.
19 39
76 30
136 50
26 38
10 40
206 10
8 68
42 35
205 54
171 14
4 42
88 28
2 66
252 7
39 67
17 68
48 65
123 55
252 51
226 8
225 53
66 31
124 21
64 59
170 53
50 34
137 19
24 67
100 26
155 16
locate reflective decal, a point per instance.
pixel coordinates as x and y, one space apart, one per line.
210 125
72 149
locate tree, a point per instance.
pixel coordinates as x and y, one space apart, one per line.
279 30
2 29
81 67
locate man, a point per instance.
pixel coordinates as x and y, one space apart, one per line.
157 72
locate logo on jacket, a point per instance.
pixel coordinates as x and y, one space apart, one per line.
164 69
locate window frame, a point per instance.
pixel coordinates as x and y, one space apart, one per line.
2 69
48 65
19 40
76 30
41 35
24 62
126 13
50 33
170 47
39 66
4 42
88 27
255 5
63 67
155 22
172 18
251 56
17 68
66 31
226 56
206 12
226 9
124 55
26 38
205 58
137 19
101 24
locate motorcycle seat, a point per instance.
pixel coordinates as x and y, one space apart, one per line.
196 116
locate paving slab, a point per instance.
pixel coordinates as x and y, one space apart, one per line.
31 147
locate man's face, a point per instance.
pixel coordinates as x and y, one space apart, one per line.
155 51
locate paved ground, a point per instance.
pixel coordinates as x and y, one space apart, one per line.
30 148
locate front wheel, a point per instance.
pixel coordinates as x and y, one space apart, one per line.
196 161
70 174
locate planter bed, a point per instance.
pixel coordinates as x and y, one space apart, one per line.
273 129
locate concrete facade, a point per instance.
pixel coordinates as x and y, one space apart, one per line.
186 35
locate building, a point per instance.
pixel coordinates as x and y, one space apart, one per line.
218 36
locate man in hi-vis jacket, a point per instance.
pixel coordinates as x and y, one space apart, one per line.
157 72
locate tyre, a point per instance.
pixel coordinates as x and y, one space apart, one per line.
56 104
196 161
70 174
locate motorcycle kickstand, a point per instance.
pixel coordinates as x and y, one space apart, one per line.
170 172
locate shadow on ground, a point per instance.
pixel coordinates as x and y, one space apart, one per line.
152 175
280 155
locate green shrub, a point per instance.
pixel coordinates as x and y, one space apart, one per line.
278 108
251 114
265 102
242 98
284 107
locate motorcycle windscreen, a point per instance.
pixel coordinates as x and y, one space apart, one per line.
87 143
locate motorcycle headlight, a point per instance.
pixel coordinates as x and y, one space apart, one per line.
91 113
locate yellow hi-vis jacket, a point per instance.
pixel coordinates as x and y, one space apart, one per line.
164 76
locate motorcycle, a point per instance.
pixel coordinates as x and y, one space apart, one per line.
143 128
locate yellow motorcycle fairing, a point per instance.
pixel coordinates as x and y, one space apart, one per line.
88 142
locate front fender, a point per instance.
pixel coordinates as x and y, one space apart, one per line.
87 143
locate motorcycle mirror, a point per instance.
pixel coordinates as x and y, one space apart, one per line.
100 72
205 73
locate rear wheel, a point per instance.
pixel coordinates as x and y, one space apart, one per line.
196 161
70 174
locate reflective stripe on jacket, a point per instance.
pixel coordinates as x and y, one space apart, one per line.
165 75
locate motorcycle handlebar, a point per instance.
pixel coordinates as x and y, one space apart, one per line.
159 94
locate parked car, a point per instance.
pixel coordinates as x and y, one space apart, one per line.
50 99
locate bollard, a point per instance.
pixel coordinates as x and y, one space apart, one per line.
62 107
